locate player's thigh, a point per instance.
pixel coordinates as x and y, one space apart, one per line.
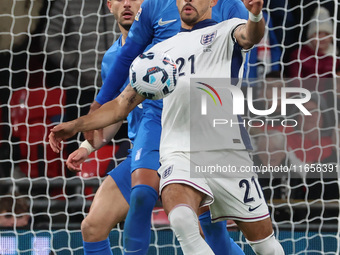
177 193
237 194
109 206
145 151
145 176
177 186
203 210
257 230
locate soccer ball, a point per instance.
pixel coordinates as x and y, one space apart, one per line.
153 75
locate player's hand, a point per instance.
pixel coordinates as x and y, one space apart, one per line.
76 158
254 6
60 133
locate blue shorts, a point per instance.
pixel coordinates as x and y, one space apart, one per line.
145 151
122 176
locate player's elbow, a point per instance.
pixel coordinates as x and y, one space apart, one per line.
252 34
122 112
248 44
123 115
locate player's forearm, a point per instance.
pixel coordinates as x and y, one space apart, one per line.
110 113
102 137
106 115
110 132
254 32
250 34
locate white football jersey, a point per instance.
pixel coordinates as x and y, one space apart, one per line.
209 52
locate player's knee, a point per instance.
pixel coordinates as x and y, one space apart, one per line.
182 219
86 228
92 232
143 196
267 246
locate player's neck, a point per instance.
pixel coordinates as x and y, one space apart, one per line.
124 34
186 26
190 26
199 25
123 39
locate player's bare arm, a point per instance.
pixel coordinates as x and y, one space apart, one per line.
90 134
252 32
103 136
110 113
100 138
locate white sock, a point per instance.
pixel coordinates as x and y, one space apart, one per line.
184 221
267 246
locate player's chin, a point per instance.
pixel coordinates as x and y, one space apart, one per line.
126 24
189 19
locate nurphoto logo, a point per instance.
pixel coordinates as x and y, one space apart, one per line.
238 99
220 93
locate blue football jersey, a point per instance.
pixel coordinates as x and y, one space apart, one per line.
227 9
134 117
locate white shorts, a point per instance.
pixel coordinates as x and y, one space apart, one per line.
231 194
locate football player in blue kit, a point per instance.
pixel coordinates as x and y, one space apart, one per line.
155 22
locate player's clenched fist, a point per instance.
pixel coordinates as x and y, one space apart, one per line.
254 6
76 158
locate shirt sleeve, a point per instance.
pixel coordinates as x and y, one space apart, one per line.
119 71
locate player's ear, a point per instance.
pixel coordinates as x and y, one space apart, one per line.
213 3
109 5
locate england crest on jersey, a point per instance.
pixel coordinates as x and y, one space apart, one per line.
207 39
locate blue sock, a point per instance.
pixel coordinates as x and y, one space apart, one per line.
235 248
137 227
217 236
98 248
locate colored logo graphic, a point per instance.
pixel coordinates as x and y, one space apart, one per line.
209 90
209 93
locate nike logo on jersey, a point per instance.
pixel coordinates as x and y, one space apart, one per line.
162 23
254 208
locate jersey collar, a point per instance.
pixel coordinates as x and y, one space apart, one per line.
199 25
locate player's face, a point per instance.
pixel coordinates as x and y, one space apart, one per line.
124 11
194 11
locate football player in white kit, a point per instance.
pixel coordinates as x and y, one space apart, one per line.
182 195
209 50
